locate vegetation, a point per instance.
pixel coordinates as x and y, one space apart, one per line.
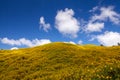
118 44
61 61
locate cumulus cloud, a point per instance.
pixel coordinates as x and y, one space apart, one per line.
14 48
94 27
25 42
66 23
44 25
109 38
107 13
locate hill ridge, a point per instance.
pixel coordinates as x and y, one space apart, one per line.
61 61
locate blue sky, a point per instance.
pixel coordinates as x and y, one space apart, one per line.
28 23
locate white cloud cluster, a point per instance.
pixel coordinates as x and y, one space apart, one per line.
96 23
25 42
109 38
66 23
45 26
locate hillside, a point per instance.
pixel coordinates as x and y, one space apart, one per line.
61 61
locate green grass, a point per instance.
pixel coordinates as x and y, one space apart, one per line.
61 61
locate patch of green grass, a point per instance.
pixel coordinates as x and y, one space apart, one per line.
61 61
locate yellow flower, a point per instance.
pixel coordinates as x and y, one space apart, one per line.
107 77
111 68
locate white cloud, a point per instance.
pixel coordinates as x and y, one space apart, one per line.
10 41
25 42
66 23
96 23
107 13
94 9
45 26
109 38
71 42
94 27
14 48
80 42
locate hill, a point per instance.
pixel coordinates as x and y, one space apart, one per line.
61 61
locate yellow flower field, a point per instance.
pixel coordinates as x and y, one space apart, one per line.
61 61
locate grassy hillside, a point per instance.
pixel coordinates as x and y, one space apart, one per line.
61 61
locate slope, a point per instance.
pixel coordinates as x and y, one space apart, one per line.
61 61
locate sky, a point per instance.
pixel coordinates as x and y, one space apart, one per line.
29 23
